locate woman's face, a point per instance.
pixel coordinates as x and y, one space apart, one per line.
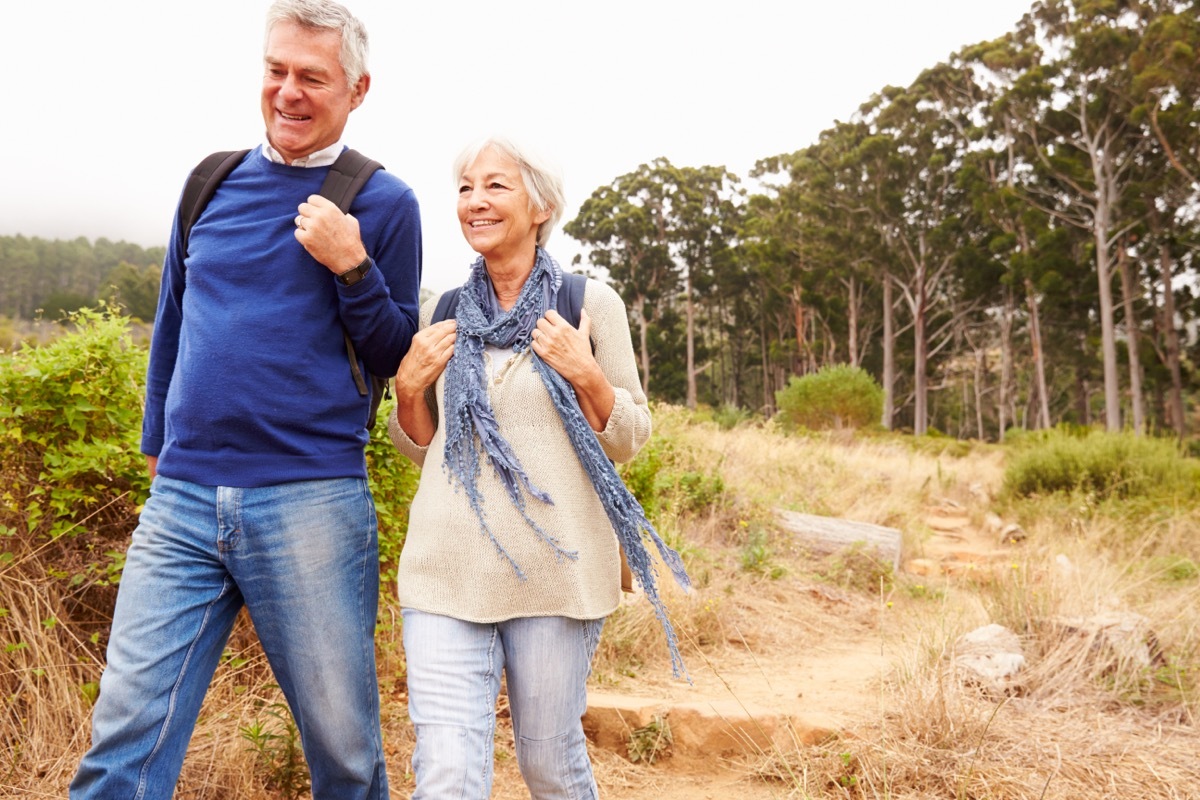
494 208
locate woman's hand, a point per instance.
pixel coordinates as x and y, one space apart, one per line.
425 360
569 351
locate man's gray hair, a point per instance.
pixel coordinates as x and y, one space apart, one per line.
327 15
543 179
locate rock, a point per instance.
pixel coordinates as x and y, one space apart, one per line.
1120 637
989 657
1012 533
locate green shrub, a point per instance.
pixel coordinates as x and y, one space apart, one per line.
1106 465
393 480
668 480
832 398
71 420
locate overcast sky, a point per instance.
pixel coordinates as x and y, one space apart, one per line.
109 104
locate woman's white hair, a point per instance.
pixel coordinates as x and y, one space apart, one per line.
327 15
543 179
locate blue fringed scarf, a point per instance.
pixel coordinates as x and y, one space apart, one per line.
469 419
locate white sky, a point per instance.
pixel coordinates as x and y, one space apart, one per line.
95 87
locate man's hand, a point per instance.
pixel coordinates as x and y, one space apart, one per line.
329 236
152 466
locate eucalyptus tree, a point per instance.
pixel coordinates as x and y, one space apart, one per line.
1166 90
625 229
701 226
1084 140
918 138
997 175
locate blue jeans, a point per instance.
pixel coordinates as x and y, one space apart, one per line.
303 559
454 672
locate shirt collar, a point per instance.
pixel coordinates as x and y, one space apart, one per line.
321 158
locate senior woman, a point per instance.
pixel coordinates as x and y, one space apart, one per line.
511 570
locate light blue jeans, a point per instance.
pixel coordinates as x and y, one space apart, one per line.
303 558
454 672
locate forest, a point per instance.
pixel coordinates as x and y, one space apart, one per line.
1010 242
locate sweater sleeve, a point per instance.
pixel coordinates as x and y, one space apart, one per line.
380 311
629 425
415 452
164 344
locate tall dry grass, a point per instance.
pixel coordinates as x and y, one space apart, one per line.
1088 717
1081 721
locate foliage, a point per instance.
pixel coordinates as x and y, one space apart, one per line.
668 480
833 397
276 743
393 480
860 568
71 423
651 741
56 276
1104 465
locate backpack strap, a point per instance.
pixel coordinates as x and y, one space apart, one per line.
201 184
569 302
570 297
447 305
348 174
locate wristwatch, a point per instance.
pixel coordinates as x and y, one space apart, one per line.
355 275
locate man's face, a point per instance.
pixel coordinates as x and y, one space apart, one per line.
305 97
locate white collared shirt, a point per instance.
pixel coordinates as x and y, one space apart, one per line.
321 158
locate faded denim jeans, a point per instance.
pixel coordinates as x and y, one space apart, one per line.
303 558
454 670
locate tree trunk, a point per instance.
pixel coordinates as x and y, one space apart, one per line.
980 371
920 351
1171 333
1005 391
640 307
852 321
768 395
889 355
1039 361
1134 343
1106 197
691 342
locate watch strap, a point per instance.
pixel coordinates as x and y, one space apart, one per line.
355 275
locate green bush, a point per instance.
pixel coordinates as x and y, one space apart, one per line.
1106 465
668 480
71 420
831 398
393 480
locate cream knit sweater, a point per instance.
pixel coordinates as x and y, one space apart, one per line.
450 567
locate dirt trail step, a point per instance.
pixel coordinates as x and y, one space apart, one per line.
752 709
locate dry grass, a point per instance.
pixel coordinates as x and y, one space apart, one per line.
1084 719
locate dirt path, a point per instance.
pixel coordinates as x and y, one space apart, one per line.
817 673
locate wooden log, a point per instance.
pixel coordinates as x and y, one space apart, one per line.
830 535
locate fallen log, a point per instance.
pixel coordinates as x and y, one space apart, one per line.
831 535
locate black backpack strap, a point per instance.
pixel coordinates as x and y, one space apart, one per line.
569 302
447 305
570 297
201 184
348 174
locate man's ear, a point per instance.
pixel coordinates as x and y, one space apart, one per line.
360 91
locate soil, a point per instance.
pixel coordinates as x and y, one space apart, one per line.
813 675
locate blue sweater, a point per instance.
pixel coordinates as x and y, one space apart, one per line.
249 383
